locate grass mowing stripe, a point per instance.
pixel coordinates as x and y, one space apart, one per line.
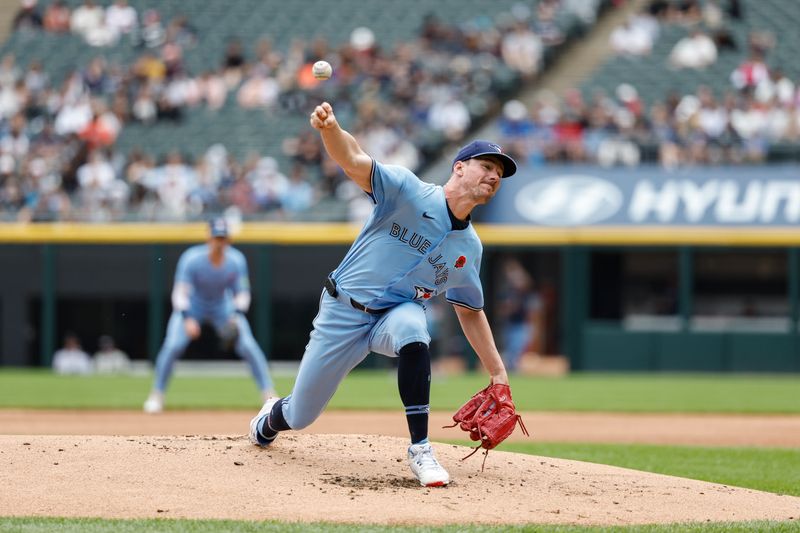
79 525
768 469
378 390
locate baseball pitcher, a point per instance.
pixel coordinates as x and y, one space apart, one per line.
418 243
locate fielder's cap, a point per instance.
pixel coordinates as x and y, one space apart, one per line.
480 148
218 227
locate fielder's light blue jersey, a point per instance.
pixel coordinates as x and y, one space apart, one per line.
408 249
213 287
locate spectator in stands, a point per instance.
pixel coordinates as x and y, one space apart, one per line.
233 62
522 49
220 163
28 17
13 205
152 31
149 68
74 115
169 104
172 55
52 203
749 121
696 51
305 150
712 122
15 141
213 89
182 91
760 42
586 10
776 87
109 359
299 195
36 82
103 128
618 145
751 72
88 21
138 164
57 17
95 77
180 31
144 108
99 187
121 18
631 39
599 131
419 80
258 90
9 71
71 359
449 116
545 22
779 122
269 185
712 14
399 151
172 182
690 11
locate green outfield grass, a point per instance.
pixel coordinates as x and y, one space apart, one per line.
378 390
768 469
48 525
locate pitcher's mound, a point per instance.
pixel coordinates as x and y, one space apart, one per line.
345 478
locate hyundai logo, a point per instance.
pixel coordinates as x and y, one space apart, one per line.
570 200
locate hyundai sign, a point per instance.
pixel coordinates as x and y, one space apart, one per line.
591 196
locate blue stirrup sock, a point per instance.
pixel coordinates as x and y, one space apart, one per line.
414 383
274 421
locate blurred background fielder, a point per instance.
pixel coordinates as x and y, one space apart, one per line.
211 286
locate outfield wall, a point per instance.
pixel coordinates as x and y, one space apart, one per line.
643 298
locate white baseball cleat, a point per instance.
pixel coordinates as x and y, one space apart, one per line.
154 403
256 437
425 466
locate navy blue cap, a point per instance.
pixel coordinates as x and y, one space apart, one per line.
479 148
218 227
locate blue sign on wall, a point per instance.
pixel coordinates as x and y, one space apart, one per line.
567 196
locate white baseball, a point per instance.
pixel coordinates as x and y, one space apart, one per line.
322 70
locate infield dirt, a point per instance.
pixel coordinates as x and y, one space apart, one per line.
351 478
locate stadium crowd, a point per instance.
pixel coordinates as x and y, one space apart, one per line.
59 159
759 109
57 139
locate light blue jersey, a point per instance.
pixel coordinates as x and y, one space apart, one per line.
211 300
408 249
407 253
212 287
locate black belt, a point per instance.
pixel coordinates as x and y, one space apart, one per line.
330 286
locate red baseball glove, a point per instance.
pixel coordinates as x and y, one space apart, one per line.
489 417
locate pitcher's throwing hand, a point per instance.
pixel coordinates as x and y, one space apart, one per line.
323 118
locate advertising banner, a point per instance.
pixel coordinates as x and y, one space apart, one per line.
581 196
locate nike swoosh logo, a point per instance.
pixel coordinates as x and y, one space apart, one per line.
426 215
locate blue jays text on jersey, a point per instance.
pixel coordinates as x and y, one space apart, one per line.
408 249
